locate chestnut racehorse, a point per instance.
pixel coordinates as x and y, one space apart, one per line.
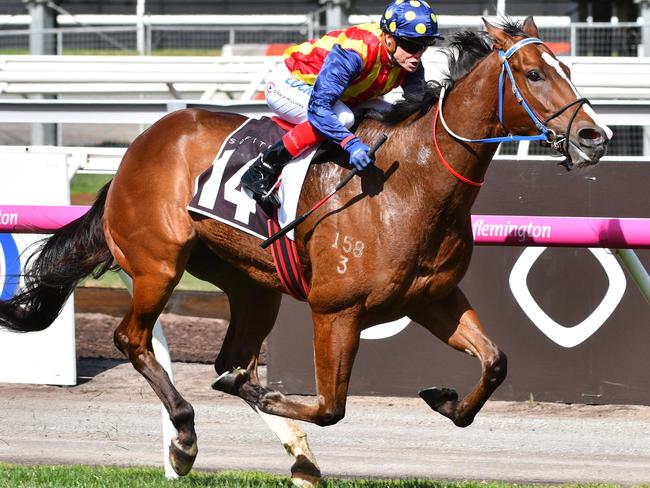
410 212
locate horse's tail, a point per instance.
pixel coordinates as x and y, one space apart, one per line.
70 254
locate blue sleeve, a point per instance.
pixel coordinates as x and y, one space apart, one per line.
413 84
340 67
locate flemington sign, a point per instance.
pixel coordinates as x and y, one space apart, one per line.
574 326
8 218
519 231
613 233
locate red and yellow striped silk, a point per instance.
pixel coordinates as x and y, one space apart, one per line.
378 76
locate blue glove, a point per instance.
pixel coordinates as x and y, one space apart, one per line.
359 157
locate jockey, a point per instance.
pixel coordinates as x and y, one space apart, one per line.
320 79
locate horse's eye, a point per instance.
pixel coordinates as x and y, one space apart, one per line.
533 75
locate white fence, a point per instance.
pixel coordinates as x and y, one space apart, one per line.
232 77
139 90
611 78
614 113
243 77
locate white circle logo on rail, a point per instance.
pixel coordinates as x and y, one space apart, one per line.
384 331
9 266
563 335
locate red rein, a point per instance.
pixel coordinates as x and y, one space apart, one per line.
442 158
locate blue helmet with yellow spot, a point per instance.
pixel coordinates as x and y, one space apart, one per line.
411 19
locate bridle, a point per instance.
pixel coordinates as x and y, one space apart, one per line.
547 137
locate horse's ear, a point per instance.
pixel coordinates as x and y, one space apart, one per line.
530 27
501 39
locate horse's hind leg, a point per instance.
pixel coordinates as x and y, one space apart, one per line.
133 337
253 311
455 322
304 472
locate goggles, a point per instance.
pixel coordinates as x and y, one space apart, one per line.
415 45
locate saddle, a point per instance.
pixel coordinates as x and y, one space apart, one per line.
219 194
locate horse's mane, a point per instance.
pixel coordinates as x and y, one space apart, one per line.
465 50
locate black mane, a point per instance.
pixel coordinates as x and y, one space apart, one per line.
465 50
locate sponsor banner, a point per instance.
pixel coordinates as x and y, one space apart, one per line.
509 230
30 219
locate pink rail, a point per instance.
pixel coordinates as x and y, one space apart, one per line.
37 219
496 230
613 233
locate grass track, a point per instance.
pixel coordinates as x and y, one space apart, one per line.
38 476
88 183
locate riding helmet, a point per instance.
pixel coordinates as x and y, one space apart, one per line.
411 19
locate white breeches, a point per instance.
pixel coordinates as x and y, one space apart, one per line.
288 98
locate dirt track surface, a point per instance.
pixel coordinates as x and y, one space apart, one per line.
112 417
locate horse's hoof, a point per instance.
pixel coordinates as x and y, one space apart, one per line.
305 473
231 382
445 402
442 400
180 458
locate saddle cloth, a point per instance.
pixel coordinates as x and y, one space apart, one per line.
218 193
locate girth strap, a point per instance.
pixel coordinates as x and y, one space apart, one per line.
287 263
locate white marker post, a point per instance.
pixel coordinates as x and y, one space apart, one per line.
49 356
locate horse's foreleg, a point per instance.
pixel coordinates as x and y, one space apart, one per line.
454 321
133 338
336 340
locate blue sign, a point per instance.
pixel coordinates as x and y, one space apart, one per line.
10 268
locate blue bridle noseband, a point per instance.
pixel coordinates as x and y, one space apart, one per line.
546 135
505 69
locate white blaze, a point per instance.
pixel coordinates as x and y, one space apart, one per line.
588 110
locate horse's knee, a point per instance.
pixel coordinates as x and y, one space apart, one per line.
130 348
121 341
497 368
330 416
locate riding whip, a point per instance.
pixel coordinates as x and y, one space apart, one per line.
299 219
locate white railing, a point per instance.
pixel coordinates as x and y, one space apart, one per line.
113 111
243 77
613 112
117 89
611 77
234 77
22 111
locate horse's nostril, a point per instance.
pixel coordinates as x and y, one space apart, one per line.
592 136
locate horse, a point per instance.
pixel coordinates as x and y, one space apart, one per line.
409 214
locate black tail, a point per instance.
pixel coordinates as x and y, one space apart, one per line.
70 254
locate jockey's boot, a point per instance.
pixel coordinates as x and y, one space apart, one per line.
263 173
